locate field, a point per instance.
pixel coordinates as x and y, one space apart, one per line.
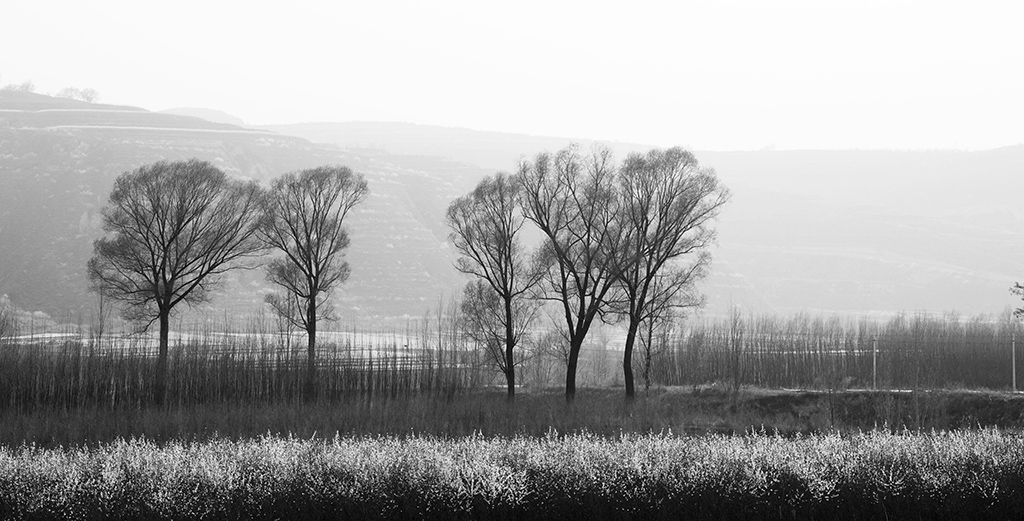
409 426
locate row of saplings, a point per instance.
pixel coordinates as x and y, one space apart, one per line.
620 241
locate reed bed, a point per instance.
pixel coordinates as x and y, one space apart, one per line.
873 475
815 352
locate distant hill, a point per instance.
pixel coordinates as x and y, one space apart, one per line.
492 150
59 158
861 232
858 231
215 116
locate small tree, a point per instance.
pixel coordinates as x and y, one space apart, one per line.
573 202
486 226
172 227
668 204
304 221
86 95
89 95
485 316
100 319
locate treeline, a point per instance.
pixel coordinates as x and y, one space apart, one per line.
814 352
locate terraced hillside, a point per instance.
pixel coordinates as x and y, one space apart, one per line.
859 232
58 160
853 231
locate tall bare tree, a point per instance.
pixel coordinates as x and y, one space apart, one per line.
305 222
668 203
172 228
486 228
571 198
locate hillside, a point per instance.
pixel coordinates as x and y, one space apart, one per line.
860 231
59 158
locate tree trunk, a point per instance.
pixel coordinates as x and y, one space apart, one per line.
310 389
510 376
510 367
161 362
627 358
570 370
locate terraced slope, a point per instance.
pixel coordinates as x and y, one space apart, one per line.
59 158
854 231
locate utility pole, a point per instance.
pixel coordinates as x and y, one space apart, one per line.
1013 358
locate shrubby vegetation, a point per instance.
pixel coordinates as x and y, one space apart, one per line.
873 475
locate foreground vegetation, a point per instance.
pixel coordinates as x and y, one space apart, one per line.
875 475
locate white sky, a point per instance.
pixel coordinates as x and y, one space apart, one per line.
714 75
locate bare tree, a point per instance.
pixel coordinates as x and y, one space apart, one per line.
667 207
305 216
101 317
172 227
486 227
485 319
89 95
86 95
572 200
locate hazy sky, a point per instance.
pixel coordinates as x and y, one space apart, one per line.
713 75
